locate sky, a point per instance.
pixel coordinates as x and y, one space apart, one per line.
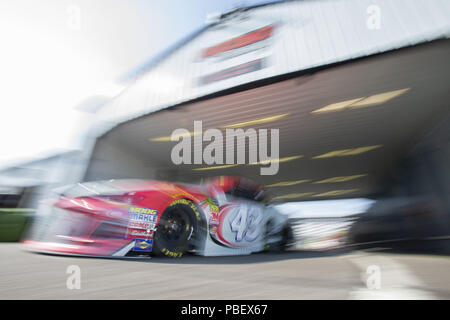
56 54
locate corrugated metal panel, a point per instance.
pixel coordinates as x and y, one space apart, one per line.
307 34
397 125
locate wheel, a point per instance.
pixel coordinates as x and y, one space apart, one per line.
285 236
288 239
176 228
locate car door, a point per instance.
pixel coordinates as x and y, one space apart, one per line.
240 223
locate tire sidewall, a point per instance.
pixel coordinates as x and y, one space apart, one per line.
176 249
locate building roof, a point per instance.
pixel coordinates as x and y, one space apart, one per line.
308 34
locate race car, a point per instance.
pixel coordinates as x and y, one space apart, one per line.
123 218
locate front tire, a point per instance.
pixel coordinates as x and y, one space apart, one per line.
176 228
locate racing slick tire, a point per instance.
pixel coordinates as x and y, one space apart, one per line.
288 239
176 228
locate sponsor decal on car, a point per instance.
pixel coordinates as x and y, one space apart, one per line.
144 245
213 226
142 223
142 233
143 214
142 210
213 207
236 226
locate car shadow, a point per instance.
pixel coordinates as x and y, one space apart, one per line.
263 257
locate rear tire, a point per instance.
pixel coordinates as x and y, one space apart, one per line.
288 240
176 228
286 235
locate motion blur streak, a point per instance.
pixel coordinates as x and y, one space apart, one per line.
356 93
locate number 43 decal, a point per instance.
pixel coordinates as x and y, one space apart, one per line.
245 224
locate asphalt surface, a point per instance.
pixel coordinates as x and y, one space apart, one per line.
289 275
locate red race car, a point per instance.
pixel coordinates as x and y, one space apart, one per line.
225 216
